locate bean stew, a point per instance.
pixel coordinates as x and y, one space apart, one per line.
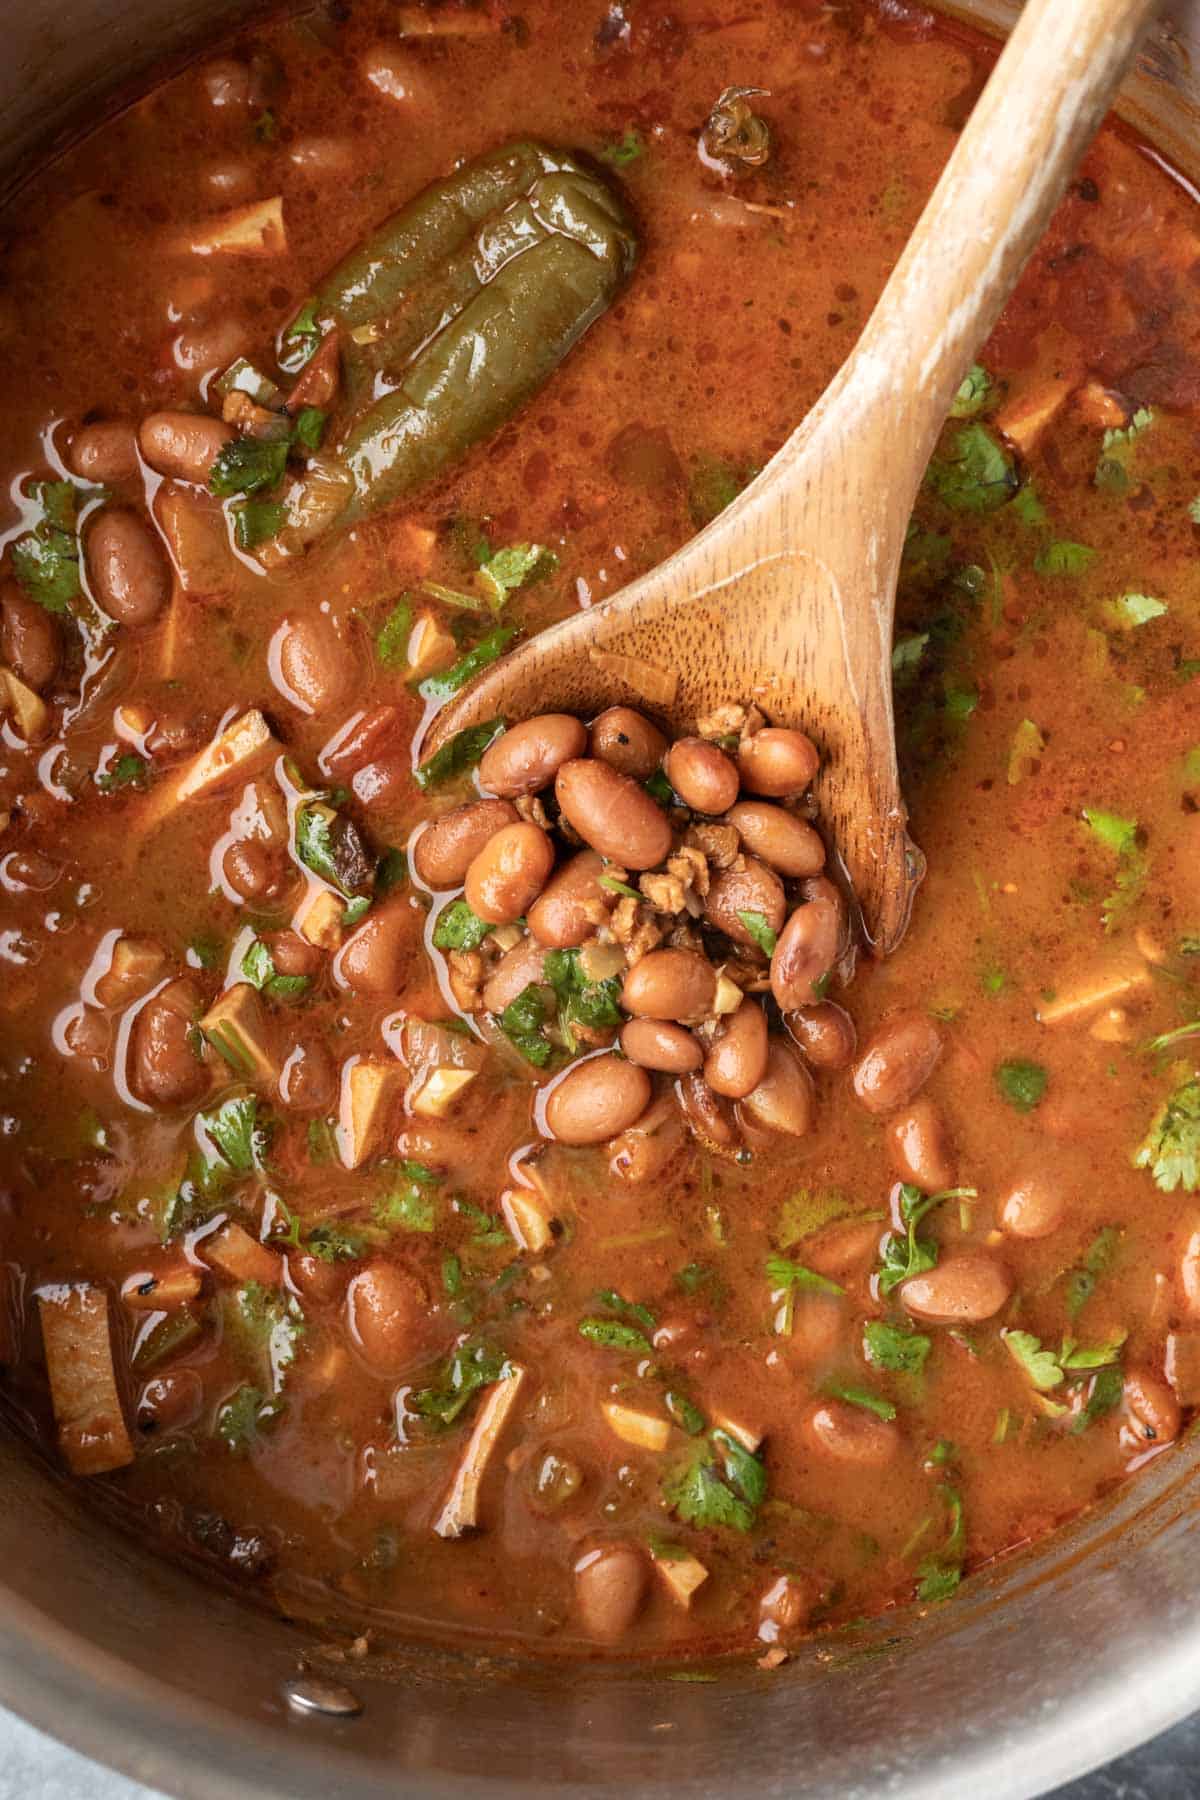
504 1200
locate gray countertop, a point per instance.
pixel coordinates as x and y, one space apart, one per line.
33 1767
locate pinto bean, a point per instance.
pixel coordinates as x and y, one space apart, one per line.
1189 1276
386 1309
785 843
183 445
850 1434
702 775
643 1151
655 1044
309 664
751 889
164 1069
445 850
518 968
610 1589
528 756
737 1061
670 984
824 1032
1151 1409
319 1281
920 1148
382 783
709 1115
105 452
783 1100
126 566
777 763
29 640
961 1291
308 1080
509 873
597 1099
373 958
226 84
203 348
628 742
170 1401
897 1060
292 954
1034 1206
572 903
360 740
250 869
806 951
613 813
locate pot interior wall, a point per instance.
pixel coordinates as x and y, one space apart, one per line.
1039 1670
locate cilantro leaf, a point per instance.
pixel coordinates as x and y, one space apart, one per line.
303 334
1023 1084
391 640
1107 1392
907 656
1063 558
592 1004
473 1365
268 1323
615 1334
911 1255
243 1417
624 150
895 1347
126 770
488 650
329 844
334 1243
258 966
626 1309
861 1397
256 521
458 928
459 754
1118 450
760 931
1040 1365
977 476
519 565
237 1132
309 428
1171 1147
941 1573
973 394
247 466
522 1021
46 559
742 1470
784 1273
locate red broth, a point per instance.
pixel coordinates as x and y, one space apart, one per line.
277 1328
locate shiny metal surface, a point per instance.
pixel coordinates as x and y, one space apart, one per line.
1041 1669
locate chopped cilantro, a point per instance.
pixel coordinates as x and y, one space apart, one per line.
126 770
861 1397
1081 1282
243 1417
522 1021
237 1131
1171 1147
1022 1083
684 1412
473 1365
694 1277
458 754
46 559
248 466
520 565
592 1004
708 1497
334 1243
712 486
620 152
269 1323
258 966
941 1573
257 521
895 1347
309 428
1120 836
783 1273
488 650
1041 1366
392 871
910 1254
1063 558
907 656
391 640
458 928
626 1309
615 1334
488 1232
760 931
409 1207
1106 1393
330 845
305 334
974 393
1118 450
977 476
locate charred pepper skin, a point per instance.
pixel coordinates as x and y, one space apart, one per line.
459 308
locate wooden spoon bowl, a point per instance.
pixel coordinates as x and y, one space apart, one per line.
788 597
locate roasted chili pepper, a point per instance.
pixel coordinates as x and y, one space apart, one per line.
453 314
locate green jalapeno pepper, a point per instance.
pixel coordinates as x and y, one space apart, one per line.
454 313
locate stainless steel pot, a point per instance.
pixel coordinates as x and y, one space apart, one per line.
1039 1671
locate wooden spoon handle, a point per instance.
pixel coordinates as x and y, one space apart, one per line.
1051 88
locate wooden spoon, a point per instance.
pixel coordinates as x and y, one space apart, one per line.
788 596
